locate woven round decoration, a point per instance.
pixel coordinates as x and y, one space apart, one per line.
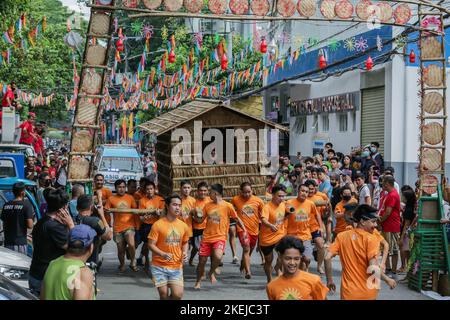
431 159
306 8
92 83
430 180
86 113
130 3
100 24
239 6
432 75
96 55
79 168
104 2
193 6
327 8
433 102
152 4
217 6
286 8
82 141
433 133
402 13
362 9
344 9
386 13
431 48
173 5
260 7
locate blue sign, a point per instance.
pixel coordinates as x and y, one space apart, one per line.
338 51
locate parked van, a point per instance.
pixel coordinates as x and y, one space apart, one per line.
118 162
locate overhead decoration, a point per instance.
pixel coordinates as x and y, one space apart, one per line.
344 9
260 7
327 8
362 9
152 4
239 7
193 6
361 44
286 8
385 12
306 8
369 63
402 13
217 6
349 44
379 43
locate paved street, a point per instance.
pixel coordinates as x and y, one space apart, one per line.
231 285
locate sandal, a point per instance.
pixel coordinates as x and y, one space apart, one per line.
121 269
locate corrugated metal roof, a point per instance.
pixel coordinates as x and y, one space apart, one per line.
190 111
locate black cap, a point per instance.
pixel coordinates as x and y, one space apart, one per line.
350 206
364 211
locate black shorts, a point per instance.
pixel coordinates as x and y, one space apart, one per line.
316 234
142 234
232 222
197 236
267 250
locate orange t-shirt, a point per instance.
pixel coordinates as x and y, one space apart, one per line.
303 286
324 197
313 222
106 193
275 215
200 204
378 236
169 236
249 211
298 221
217 221
356 248
123 221
186 207
138 195
156 202
341 225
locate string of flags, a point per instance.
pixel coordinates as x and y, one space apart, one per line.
30 98
19 36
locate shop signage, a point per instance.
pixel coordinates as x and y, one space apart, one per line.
336 103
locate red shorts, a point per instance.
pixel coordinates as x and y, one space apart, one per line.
249 241
206 248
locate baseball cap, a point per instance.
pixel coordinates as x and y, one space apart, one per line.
350 206
83 233
364 211
32 114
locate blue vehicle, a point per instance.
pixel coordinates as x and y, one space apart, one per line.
6 195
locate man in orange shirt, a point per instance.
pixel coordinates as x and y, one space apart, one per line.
358 250
273 228
249 209
316 223
197 232
217 215
99 184
187 205
141 192
298 223
339 211
154 204
294 284
125 224
168 241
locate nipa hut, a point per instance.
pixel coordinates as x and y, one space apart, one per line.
196 118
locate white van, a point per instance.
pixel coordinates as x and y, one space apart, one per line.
118 161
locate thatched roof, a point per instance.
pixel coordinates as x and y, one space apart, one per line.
190 111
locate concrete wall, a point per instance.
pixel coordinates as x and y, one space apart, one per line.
342 141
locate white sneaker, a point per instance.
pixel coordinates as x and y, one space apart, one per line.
235 260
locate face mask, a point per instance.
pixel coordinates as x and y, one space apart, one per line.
373 149
346 198
333 184
365 154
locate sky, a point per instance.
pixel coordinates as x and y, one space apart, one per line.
73 5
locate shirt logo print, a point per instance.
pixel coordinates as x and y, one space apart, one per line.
174 238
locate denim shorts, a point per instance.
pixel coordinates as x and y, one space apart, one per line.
165 276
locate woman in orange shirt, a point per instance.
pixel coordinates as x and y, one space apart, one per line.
217 215
273 228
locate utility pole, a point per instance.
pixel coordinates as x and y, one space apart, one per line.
229 32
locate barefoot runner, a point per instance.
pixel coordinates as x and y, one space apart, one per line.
294 284
155 204
125 224
249 209
201 200
298 223
217 215
168 241
273 228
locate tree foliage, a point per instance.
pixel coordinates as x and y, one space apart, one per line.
47 67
